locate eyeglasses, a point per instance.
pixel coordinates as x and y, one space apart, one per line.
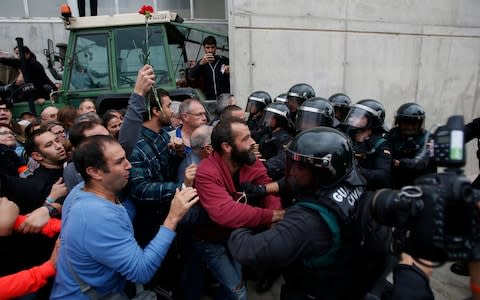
7 133
198 114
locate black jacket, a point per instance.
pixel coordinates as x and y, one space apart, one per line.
9 161
273 151
414 157
375 160
215 82
30 193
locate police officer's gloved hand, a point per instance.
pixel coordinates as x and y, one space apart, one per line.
254 192
407 163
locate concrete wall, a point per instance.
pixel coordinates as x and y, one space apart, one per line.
426 51
35 34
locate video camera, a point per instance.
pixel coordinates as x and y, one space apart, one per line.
436 219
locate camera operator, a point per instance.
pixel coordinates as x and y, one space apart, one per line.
318 241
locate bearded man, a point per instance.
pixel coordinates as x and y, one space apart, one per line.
218 182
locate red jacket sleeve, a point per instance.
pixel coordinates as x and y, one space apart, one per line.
50 229
25 282
220 205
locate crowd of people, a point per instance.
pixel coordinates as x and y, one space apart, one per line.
150 210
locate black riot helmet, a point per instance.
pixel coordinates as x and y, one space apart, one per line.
298 93
341 103
281 98
257 101
276 111
410 119
364 114
325 151
313 113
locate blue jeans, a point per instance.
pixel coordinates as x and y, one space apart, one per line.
223 267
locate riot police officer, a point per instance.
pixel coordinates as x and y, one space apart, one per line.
315 241
296 95
281 98
277 122
257 101
341 103
409 140
365 126
315 112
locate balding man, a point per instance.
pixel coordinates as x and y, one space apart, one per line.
49 113
86 106
201 149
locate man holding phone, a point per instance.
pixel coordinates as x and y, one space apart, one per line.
213 70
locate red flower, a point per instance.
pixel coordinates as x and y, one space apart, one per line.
146 10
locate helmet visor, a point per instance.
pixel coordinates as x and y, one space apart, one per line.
254 106
341 112
409 125
324 174
357 118
281 99
272 113
309 117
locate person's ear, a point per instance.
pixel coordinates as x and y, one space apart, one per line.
226 147
94 173
209 149
37 156
156 112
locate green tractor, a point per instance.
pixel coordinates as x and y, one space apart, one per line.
104 54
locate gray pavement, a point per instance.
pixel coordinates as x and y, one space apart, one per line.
445 286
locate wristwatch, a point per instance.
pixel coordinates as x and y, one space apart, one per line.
52 210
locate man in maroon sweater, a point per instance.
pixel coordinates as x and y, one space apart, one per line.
217 181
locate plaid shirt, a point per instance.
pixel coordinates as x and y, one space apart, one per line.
154 165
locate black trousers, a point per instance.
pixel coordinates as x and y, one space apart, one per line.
81 7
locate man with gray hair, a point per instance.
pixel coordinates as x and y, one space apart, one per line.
193 114
223 100
201 148
49 113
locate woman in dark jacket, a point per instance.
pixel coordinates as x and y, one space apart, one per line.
10 163
37 75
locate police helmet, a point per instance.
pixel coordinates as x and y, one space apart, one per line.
281 98
411 113
257 101
327 151
278 111
341 103
313 113
300 92
367 113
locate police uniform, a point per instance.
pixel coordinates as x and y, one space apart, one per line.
375 160
272 150
323 242
413 155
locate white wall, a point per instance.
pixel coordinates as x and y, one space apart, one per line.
426 51
35 34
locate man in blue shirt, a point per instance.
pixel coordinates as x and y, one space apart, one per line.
98 247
